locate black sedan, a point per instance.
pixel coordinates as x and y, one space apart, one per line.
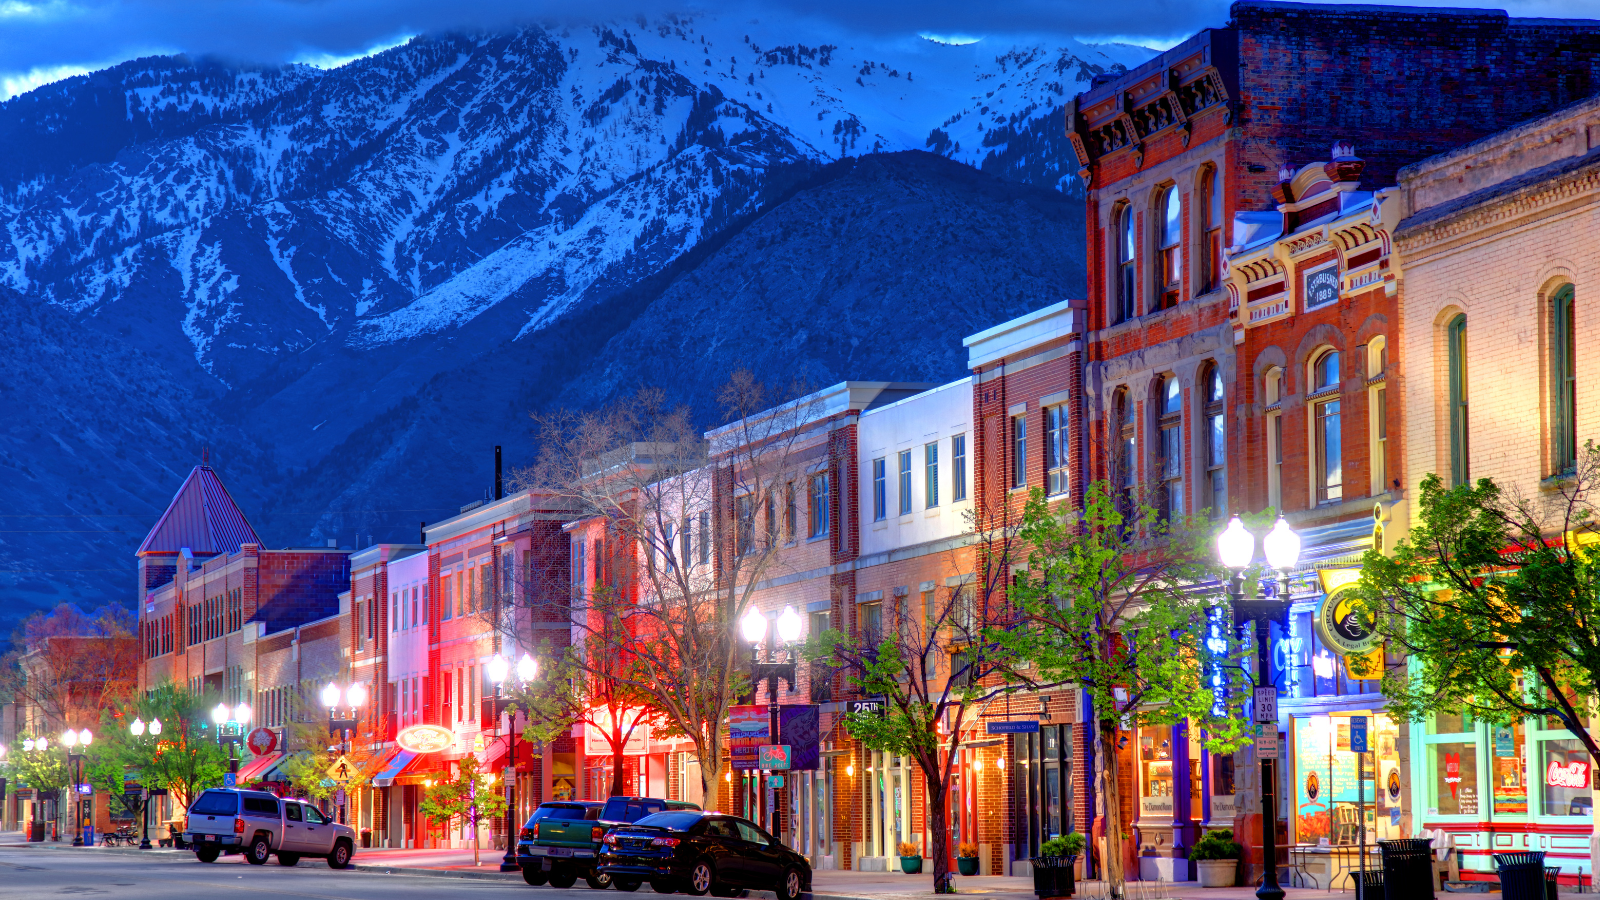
701 852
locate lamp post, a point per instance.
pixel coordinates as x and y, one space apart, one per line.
342 720
74 740
230 722
1236 550
754 627
138 729
527 669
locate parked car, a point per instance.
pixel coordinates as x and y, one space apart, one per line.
224 821
700 852
559 842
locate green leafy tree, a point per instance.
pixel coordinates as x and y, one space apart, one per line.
43 770
1495 598
469 797
1106 605
184 758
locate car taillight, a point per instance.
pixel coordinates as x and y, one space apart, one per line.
610 839
185 823
664 842
535 833
597 832
238 826
527 834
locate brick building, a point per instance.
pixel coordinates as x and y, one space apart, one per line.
1497 252
1171 151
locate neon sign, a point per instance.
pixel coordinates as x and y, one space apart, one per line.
425 738
1575 774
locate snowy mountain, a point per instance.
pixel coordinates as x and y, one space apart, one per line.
298 256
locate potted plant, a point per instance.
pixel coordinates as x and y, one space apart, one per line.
1053 867
967 858
910 857
1216 856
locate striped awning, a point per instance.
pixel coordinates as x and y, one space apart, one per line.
256 769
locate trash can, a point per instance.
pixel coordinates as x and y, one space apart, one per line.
1407 867
36 831
1369 884
1521 875
1052 876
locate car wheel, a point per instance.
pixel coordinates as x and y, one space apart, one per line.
789 886
288 859
340 857
627 887
664 886
702 878
533 877
563 880
207 855
598 881
258 852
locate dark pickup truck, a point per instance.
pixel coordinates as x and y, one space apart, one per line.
560 841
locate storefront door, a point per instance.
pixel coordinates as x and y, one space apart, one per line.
1330 804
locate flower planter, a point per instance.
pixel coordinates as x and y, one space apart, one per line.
1217 872
967 865
911 865
1052 875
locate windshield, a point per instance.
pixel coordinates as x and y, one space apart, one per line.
619 810
671 821
215 803
560 812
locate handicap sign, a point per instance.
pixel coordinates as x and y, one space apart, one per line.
1358 734
230 779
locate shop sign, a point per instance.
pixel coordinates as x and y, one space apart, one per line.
749 723
597 743
1160 806
1013 726
261 741
1505 743
425 738
1575 774
1452 771
1340 626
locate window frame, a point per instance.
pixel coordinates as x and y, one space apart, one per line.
1327 429
1169 429
958 468
1056 449
1169 248
903 482
1563 382
1126 290
1209 203
880 489
1457 397
1019 451
930 475
1273 391
820 488
1377 355
1216 441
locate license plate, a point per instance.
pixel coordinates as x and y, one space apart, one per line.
560 851
211 837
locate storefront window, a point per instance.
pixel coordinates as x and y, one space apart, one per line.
1385 741
1509 769
1155 771
1455 778
1567 789
1461 722
1223 807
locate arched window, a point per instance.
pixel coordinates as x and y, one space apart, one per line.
1125 304
1378 414
1274 396
1126 461
1169 253
1170 425
1326 434
1563 383
1456 361
1211 228
1216 443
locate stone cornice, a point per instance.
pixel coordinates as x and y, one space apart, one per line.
1499 211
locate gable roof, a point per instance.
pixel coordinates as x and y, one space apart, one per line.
203 517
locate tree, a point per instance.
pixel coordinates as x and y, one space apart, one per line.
66 666
469 796
1495 598
184 758
43 770
681 556
936 664
1106 605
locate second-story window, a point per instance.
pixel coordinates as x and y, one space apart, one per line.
880 489
1378 414
745 512
1019 451
1563 384
1211 227
1216 444
1274 397
1170 424
791 513
1169 248
820 490
447 591
958 468
930 474
905 482
1055 449
871 619
1126 300
705 538
1327 440
1124 458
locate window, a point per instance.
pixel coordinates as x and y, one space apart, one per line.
791 512
1125 298
1568 780
667 550
445 679
1169 255
1211 227
820 488
905 482
871 619
1564 383
1019 451
930 474
414 618
880 489
1216 444
745 510
771 518
1274 394
1456 361
1125 460
394 611
958 468
1378 414
686 543
705 538
1326 436
1170 424
580 567
447 594
1055 449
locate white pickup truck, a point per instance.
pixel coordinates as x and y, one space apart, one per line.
226 820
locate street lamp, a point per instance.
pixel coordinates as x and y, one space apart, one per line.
754 626
139 729
1236 550
74 740
230 721
499 669
343 717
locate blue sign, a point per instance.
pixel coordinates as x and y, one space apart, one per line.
776 781
1358 734
1014 726
230 779
1505 743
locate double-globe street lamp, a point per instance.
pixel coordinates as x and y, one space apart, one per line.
499 670
1236 549
139 729
342 720
73 741
230 722
755 628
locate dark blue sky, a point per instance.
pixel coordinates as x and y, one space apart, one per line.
41 40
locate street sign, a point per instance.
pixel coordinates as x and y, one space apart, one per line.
341 770
1266 705
261 741
774 756
866 706
1012 726
339 798
1358 734
776 781
230 779
1267 742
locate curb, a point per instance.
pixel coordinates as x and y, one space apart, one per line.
492 875
115 851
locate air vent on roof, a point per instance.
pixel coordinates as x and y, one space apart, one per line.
472 506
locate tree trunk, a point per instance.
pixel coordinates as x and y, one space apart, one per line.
618 789
1109 789
938 827
709 776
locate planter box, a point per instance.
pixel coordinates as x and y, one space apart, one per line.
967 865
911 865
1217 872
1052 875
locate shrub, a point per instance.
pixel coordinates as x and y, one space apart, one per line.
967 849
1217 844
910 848
1063 845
